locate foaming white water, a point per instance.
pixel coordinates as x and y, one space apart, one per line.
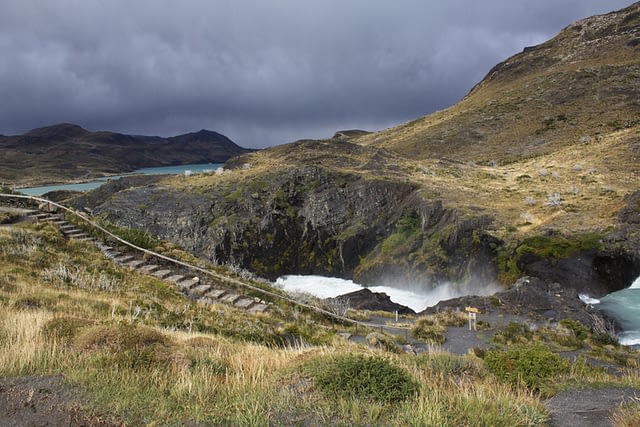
588 300
635 284
322 287
329 287
630 338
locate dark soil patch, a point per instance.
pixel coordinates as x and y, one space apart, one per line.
45 401
587 407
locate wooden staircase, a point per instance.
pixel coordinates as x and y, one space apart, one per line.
191 286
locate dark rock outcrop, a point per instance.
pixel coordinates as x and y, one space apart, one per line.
365 299
532 297
309 220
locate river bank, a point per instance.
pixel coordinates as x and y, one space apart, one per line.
91 184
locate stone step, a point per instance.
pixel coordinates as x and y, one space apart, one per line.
175 278
230 298
51 218
245 303
112 254
206 300
190 284
104 248
67 227
148 269
60 222
258 308
200 290
39 216
215 293
162 274
80 235
136 263
124 258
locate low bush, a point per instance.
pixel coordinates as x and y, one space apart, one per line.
362 377
571 333
530 365
64 329
383 341
448 364
514 333
429 330
118 337
130 347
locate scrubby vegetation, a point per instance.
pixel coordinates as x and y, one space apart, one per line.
533 366
362 377
146 355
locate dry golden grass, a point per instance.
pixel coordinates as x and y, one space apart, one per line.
24 348
588 178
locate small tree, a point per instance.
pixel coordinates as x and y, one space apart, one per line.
339 305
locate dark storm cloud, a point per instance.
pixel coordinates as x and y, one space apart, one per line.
262 72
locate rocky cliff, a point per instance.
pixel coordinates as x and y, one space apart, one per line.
310 219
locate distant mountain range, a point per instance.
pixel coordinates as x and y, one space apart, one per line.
68 152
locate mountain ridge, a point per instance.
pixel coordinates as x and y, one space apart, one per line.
66 151
542 99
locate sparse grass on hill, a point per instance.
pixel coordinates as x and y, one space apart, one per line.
146 355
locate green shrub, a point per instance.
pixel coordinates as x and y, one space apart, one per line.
29 303
383 341
601 338
447 364
64 328
428 329
8 217
571 333
362 377
129 347
580 331
514 333
135 236
116 337
530 365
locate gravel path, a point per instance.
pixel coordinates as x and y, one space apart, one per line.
44 401
587 407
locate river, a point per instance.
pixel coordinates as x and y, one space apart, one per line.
328 287
91 185
624 307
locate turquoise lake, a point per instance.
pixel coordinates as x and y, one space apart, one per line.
91 185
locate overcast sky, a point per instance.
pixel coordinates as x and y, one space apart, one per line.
262 72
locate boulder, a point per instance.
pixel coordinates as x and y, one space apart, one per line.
364 299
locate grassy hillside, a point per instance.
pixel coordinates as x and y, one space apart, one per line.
550 137
139 353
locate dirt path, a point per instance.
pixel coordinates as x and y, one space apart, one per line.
587 407
44 401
